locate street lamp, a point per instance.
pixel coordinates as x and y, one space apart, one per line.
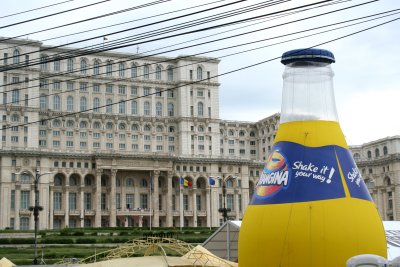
224 210
36 208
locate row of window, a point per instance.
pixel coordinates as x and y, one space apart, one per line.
357 156
107 107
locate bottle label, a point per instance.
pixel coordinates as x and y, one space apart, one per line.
296 173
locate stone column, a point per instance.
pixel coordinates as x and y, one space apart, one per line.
236 201
194 207
97 219
82 205
113 208
51 207
169 200
66 200
208 206
17 206
155 203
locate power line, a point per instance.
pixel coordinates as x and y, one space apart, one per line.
92 18
34 9
198 81
108 26
135 58
53 14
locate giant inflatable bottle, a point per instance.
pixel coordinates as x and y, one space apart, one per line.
310 206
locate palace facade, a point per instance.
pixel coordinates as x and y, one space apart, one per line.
109 137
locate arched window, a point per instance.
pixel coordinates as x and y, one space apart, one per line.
135 128
109 68
385 150
121 69
25 178
158 73
146 71
369 183
15 118
199 73
56 123
231 132
96 67
143 183
97 125
70 65
356 156
96 104
252 134
146 108
103 181
70 124
83 125
158 109
58 180
44 62
200 129
108 106
16 56
171 129
159 129
83 66
377 152
241 133
70 103
170 74
134 109
121 107
147 128
118 183
387 181
88 181
129 182
122 126
43 102
134 71
56 102
200 111
170 109
57 64
369 154
83 104
109 126
73 180
229 183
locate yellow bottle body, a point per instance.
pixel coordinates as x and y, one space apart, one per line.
311 207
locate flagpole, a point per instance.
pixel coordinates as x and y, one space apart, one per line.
210 204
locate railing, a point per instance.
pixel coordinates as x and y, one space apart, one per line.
59 212
135 211
188 213
90 212
201 213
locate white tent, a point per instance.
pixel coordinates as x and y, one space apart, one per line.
224 242
4 262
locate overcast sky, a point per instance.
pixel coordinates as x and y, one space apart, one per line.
366 70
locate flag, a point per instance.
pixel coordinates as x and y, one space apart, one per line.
211 181
182 181
185 182
151 183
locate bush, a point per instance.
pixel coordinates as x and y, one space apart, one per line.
57 240
4 241
86 241
22 241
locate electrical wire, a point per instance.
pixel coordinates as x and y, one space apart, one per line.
34 9
108 26
218 39
198 81
53 14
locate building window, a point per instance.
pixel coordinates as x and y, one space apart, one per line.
83 66
230 204
121 69
134 108
83 104
146 108
121 107
24 223
70 65
143 201
109 88
198 202
96 67
200 111
96 104
158 73
130 201
199 73
25 196
158 109
57 200
185 202
109 68
87 201
16 56
170 73
146 71
134 71
56 103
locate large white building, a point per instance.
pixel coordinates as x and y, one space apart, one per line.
116 132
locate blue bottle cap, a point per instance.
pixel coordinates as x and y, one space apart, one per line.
307 54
